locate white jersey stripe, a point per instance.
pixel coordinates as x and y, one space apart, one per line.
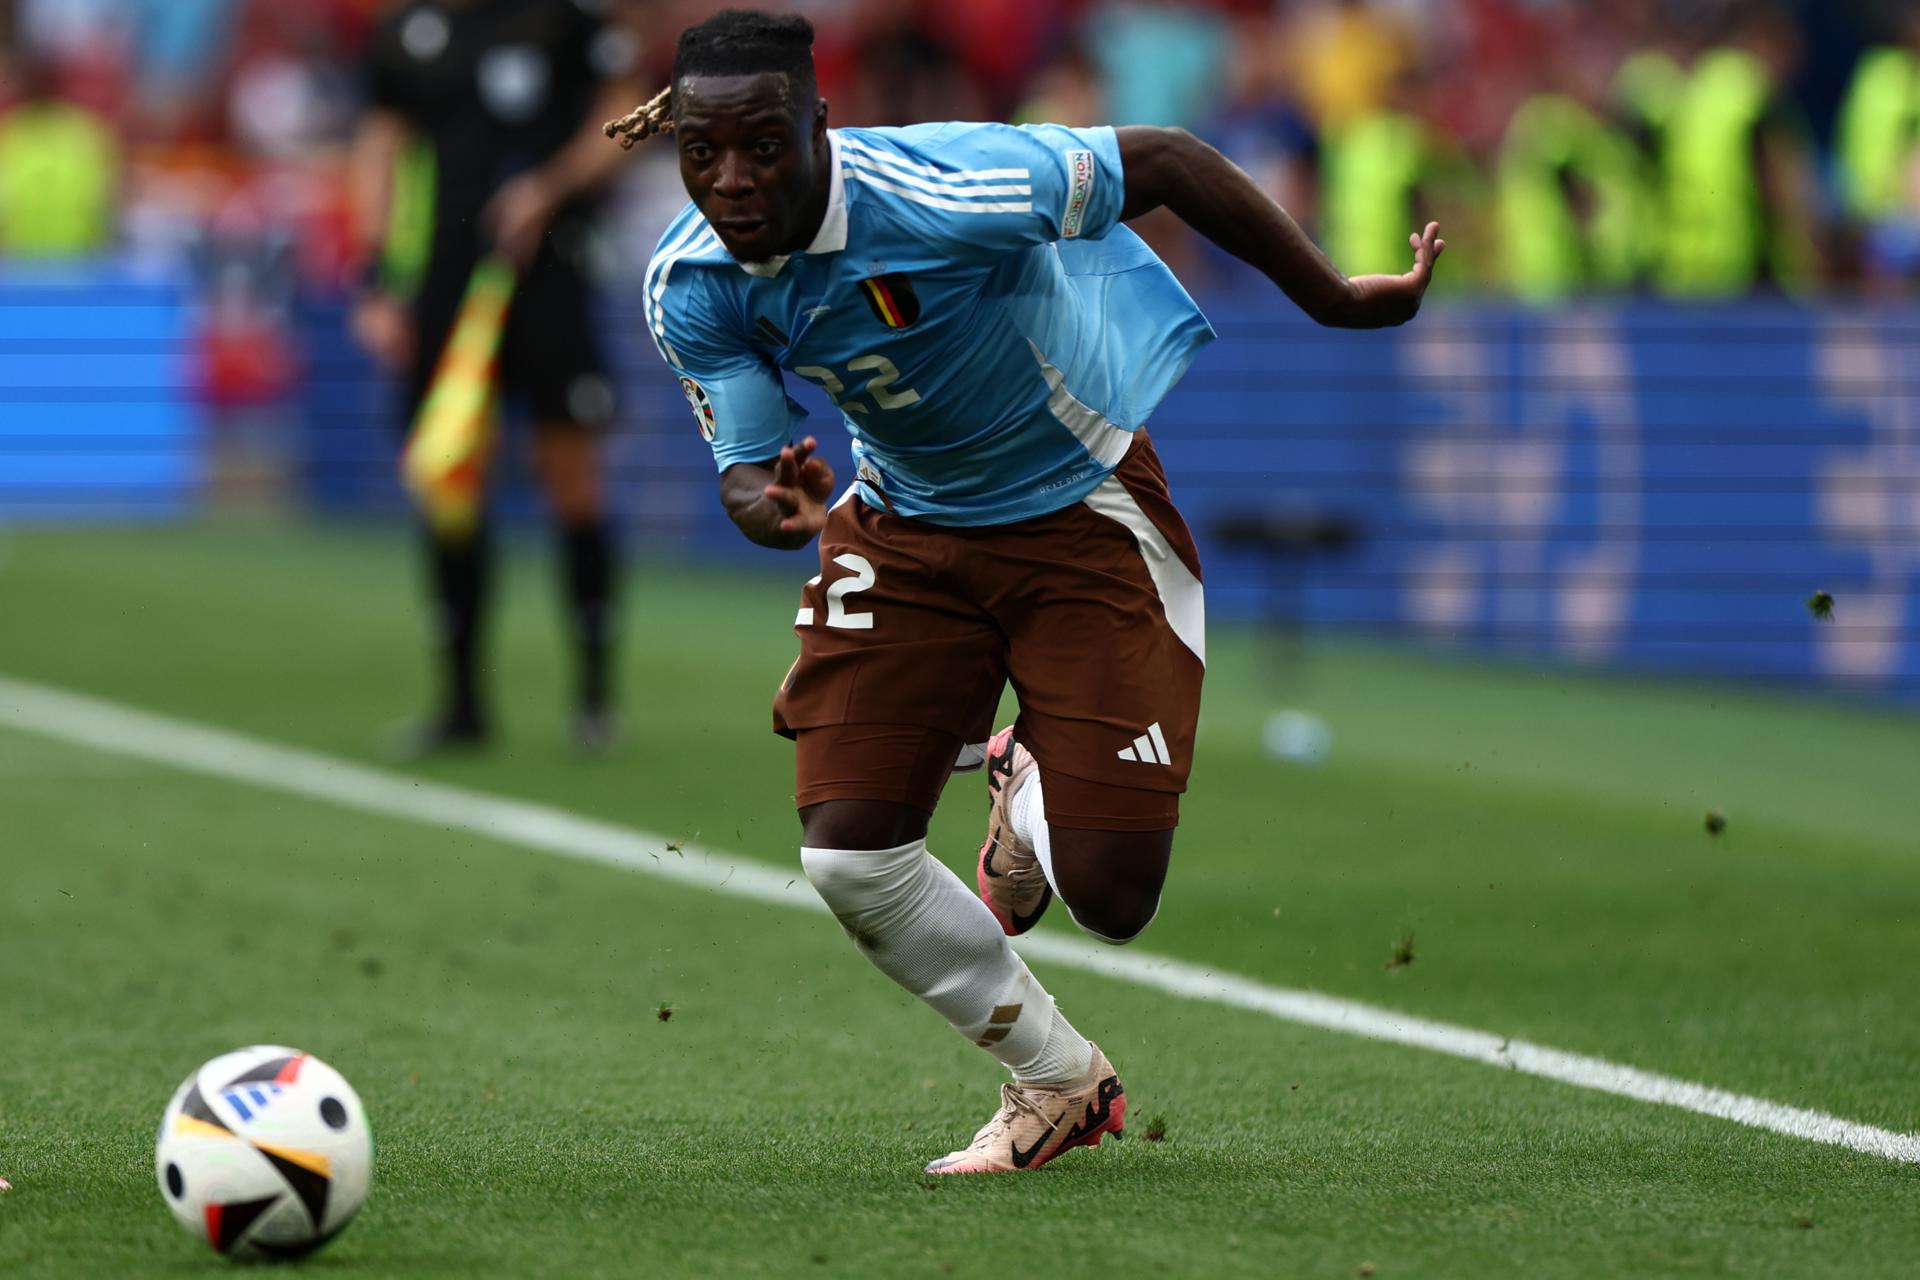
707 239
941 202
851 146
1101 438
939 188
701 243
649 301
659 259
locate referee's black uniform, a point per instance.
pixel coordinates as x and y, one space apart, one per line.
497 88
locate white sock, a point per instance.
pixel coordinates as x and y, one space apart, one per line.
928 932
1028 813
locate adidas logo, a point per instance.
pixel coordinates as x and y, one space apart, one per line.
260 1094
1149 748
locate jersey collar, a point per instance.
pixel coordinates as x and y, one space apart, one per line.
832 236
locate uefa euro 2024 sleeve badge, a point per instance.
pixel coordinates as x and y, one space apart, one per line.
702 407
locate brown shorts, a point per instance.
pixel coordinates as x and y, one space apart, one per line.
912 630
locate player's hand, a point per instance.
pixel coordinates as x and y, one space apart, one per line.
802 483
1391 300
383 326
1427 248
518 215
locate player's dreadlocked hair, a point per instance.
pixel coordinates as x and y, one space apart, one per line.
735 42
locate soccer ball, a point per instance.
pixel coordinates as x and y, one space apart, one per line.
264 1153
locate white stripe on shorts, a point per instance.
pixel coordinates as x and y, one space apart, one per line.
1179 591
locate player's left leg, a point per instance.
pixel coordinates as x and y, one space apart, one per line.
1103 609
551 352
1110 880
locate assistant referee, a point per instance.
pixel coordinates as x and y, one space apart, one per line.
497 104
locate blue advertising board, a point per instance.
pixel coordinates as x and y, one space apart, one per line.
1639 486
98 417
1642 485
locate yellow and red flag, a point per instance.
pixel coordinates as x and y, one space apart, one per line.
445 463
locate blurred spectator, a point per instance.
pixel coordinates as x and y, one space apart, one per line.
1393 169
903 70
1877 153
1160 63
1066 92
1568 146
1740 197
1880 125
59 170
1263 127
1347 57
1575 183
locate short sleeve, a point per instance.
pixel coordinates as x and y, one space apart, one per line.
994 188
739 403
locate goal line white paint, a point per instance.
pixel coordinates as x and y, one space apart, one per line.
180 744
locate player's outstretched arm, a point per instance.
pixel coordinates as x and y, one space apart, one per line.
781 503
1171 168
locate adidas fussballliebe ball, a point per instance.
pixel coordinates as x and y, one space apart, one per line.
264 1153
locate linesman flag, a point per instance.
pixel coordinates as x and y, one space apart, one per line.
445 463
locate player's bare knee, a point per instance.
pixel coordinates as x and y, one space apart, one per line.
1116 922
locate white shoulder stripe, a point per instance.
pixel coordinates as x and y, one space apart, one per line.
859 148
661 258
941 202
666 251
706 240
939 188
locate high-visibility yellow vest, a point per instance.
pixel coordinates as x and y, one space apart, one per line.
1370 170
1547 250
1717 233
59 167
1879 131
1647 87
409 242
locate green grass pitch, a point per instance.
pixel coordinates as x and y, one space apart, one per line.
1539 835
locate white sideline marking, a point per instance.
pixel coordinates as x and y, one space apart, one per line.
180 744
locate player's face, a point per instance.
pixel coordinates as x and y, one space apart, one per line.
751 161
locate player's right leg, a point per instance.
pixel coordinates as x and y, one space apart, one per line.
896 672
922 927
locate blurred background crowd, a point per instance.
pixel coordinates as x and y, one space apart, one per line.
1741 174
1679 147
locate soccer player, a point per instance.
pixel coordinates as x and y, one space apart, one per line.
994 339
509 95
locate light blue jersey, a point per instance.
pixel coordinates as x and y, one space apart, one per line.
991 334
